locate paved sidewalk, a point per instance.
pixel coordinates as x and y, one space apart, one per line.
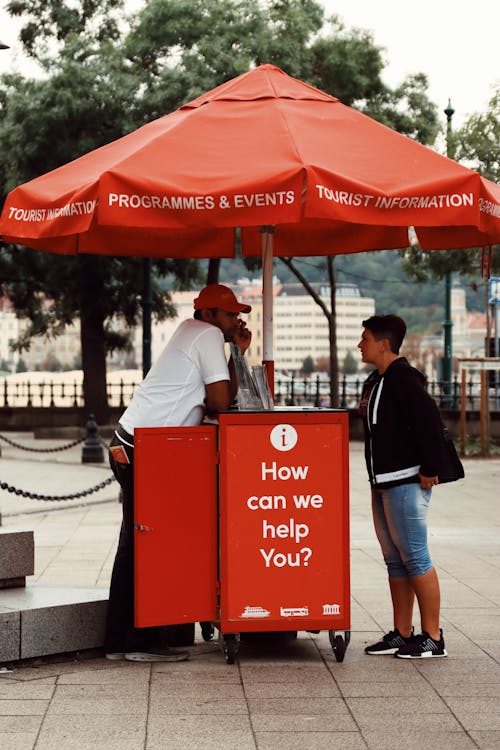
282 696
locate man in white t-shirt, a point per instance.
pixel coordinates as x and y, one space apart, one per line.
190 378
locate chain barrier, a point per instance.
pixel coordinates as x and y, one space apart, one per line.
73 496
42 450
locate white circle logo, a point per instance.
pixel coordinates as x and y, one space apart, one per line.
284 437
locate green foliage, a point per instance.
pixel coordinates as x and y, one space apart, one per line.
347 64
107 74
350 364
52 291
308 365
407 109
49 20
477 142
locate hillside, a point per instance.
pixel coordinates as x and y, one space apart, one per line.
378 275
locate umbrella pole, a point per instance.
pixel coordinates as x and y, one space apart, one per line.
267 303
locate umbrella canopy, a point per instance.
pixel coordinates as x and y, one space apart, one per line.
263 149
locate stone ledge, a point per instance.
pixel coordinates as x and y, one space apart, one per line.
17 554
47 620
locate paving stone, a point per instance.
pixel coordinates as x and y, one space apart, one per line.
308 723
486 740
197 724
416 739
23 707
477 713
310 741
81 733
20 723
215 740
17 740
211 704
62 704
294 706
420 689
43 689
264 690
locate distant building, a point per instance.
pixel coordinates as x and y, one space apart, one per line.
468 334
9 331
48 353
301 327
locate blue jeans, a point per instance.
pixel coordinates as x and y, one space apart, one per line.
400 518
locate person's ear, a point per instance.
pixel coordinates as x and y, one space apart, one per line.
206 315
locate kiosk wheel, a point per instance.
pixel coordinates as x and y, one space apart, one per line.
230 647
339 644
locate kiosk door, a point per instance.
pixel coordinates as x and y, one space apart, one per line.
175 521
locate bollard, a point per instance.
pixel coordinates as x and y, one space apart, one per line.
92 451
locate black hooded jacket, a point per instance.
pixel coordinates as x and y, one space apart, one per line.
402 426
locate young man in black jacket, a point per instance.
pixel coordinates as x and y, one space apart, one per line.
402 443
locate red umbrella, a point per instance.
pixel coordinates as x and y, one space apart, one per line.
263 150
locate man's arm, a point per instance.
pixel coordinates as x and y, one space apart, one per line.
218 396
221 394
425 423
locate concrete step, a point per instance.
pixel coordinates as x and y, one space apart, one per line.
17 557
44 620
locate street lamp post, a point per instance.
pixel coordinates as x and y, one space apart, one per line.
147 305
447 325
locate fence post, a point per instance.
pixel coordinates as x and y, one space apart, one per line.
92 451
317 398
454 403
343 398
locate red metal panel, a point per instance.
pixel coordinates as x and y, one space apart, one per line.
176 512
284 526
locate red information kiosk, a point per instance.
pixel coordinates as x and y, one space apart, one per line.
245 525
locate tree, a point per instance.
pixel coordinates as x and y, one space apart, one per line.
477 143
330 315
50 363
101 84
308 365
81 105
350 366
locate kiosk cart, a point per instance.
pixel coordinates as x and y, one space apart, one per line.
245 525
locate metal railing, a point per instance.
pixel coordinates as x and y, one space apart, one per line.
315 390
295 390
49 393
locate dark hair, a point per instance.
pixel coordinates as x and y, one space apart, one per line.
197 313
390 327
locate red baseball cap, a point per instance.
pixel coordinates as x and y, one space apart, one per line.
218 295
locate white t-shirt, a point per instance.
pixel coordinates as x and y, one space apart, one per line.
172 393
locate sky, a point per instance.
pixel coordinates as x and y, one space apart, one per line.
455 44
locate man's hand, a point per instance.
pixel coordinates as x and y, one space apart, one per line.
427 483
242 337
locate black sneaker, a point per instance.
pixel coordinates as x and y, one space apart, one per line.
390 643
423 647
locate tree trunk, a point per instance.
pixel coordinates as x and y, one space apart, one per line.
331 316
93 341
213 271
